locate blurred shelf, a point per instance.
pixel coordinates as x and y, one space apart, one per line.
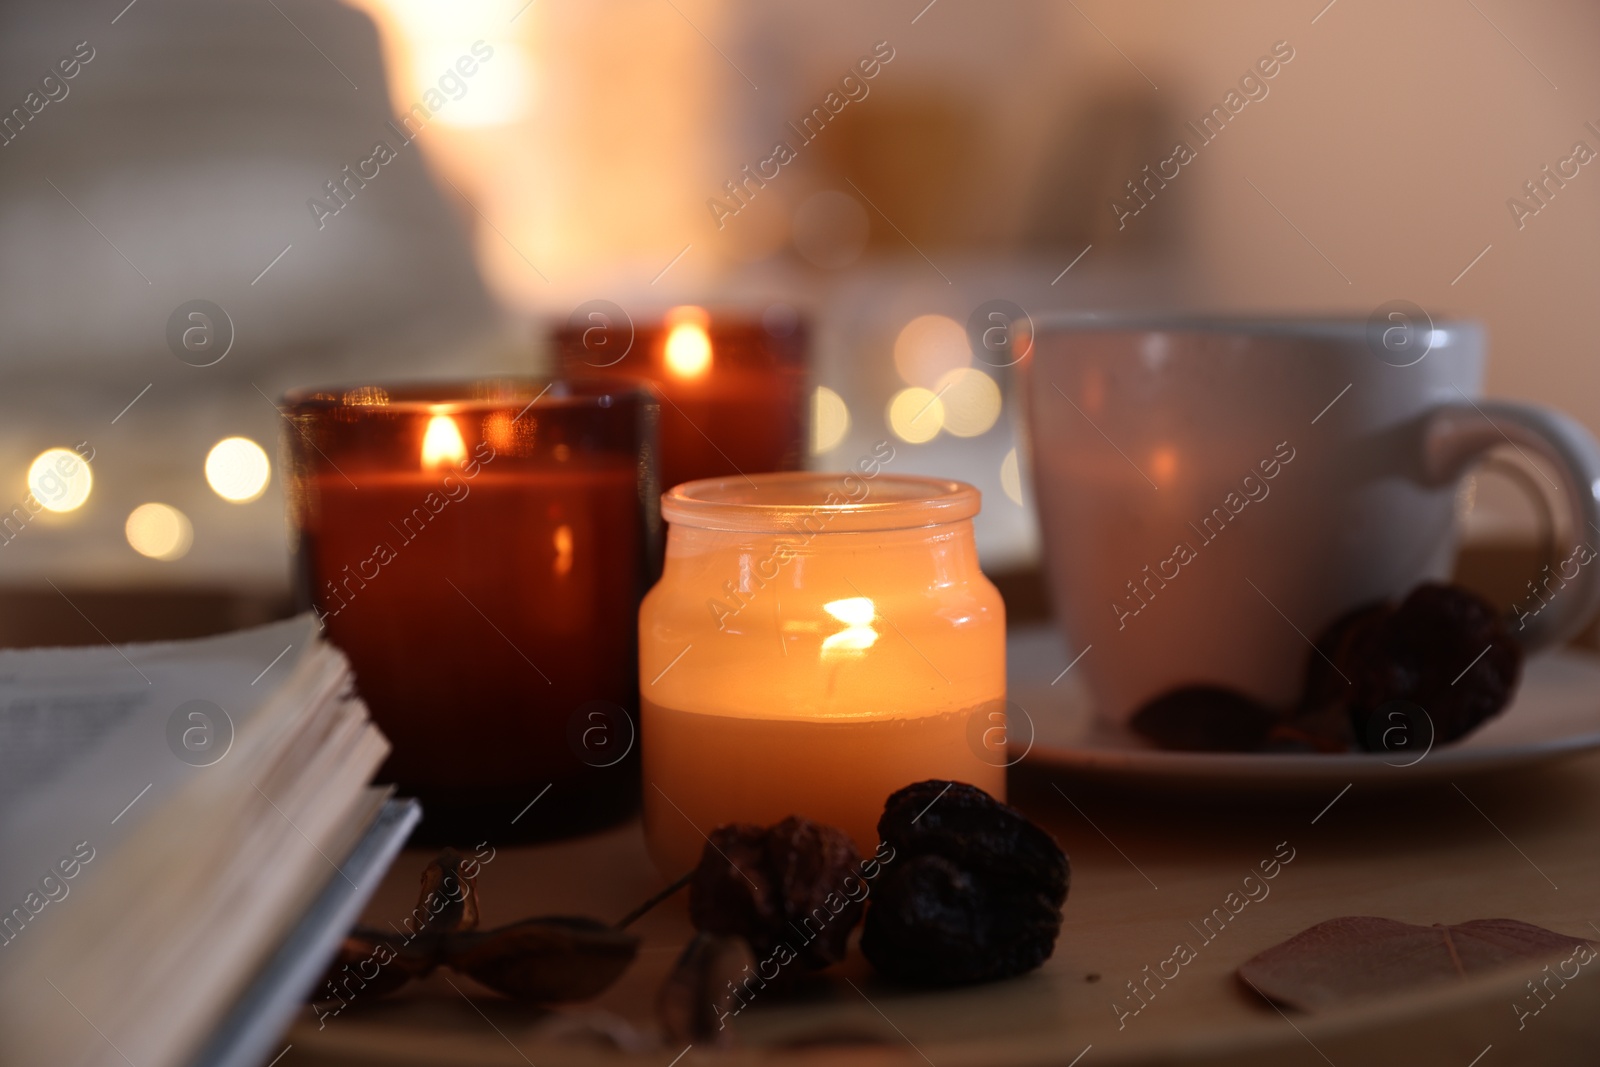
81 615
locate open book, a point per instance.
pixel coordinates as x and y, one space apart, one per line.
168 812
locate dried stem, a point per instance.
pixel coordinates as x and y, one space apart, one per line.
628 919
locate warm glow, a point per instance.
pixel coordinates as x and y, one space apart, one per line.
366 396
830 420
1094 391
1011 477
1163 465
60 480
689 315
500 430
856 613
868 662
916 415
159 531
563 546
237 469
441 442
971 401
436 63
498 92
928 348
688 350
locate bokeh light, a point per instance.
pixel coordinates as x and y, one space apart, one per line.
916 415
971 401
237 469
830 420
1011 477
929 347
159 531
59 479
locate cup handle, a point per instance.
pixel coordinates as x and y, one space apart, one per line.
1458 435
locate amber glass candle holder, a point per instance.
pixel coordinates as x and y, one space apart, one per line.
732 385
479 551
816 642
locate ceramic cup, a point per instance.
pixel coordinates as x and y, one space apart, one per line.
1215 492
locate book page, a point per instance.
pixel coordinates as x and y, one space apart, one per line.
91 736
254 757
42 732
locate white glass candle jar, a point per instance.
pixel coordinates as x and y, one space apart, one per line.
816 642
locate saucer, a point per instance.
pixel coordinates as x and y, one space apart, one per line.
1555 715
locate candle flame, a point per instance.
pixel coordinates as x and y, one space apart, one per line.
688 349
852 611
856 612
441 442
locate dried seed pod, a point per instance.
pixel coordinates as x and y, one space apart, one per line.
447 881
1444 649
1205 718
972 893
786 886
1342 645
545 961
700 993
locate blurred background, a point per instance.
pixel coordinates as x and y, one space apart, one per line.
537 155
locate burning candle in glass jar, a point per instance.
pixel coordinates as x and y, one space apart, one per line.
732 385
478 551
816 642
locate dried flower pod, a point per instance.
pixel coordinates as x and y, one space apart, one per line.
783 886
1338 647
451 880
1444 649
1205 718
699 994
545 961
972 893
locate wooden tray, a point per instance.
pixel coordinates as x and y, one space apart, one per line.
1143 869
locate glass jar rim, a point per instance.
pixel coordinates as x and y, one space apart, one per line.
810 502
449 396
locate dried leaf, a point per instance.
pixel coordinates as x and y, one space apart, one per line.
545 961
1357 957
444 881
700 991
369 965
